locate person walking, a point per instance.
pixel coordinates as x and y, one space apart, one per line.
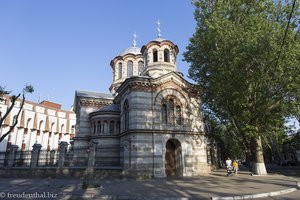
235 166
228 167
228 163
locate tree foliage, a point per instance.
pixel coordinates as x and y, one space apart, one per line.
13 99
246 56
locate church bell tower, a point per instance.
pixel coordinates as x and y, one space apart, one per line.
159 56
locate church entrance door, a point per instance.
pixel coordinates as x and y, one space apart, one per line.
173 158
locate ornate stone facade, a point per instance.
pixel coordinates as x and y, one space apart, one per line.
151 124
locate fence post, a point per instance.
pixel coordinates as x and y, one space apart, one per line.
12 155
62 153
92 153
35 154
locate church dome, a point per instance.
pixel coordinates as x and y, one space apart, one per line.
160 39
131 50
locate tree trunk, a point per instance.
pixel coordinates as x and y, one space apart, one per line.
259 167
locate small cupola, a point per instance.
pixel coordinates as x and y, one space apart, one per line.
127 64
159 56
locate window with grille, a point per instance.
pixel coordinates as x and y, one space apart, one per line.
171 111
99 127
178 115
111 126
120 71
166 55
155 55
126 115
141 67
164 113
129 68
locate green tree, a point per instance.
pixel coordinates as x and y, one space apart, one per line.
246 56
13 99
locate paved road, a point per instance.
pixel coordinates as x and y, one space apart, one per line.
202 187
293 173
290 171
192 188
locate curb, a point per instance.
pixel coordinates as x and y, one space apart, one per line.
254 196
116 197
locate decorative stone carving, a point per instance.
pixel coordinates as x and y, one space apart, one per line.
125 142
194 139
93 103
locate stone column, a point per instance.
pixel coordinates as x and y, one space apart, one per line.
12 155
70 154
62 153
35 155
92 153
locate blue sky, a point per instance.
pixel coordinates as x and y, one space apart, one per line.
61 46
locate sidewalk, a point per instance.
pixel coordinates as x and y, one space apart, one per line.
202 187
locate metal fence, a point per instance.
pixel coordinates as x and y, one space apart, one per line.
103 156
48 158
22 159
3 158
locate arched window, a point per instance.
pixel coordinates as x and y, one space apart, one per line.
167 55
99 127
14 120
40 125
61 131
111 127
73 129
105 127
118 127
155 55
164 113
27 123
178 115
141 67
120 71
94 128
62 128
126 115
146 60
52 126
171 112
129 68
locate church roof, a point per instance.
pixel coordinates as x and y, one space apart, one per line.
160 42
113 108
109 108
160 39
92 94
131 50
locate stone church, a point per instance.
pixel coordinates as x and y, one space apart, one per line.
150 124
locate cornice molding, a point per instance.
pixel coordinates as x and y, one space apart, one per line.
95 103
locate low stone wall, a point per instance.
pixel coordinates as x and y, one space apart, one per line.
54 172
